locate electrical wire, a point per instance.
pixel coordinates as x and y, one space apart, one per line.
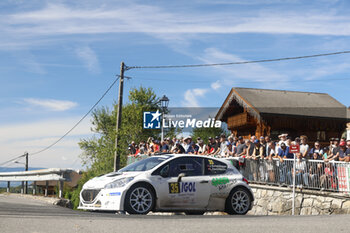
237 63
92 108
11 160
260 81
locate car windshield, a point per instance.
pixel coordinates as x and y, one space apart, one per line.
145 164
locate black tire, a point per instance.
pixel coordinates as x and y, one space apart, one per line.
194 212
140 199
238 202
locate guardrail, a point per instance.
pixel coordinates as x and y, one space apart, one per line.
51 174
310 174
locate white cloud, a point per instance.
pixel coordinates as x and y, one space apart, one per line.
43 129
89 59
34 136
256 74
56 19
248 73
191 96
250 2
51 104
324 68
216 85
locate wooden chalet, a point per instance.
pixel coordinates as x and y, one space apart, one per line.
264 112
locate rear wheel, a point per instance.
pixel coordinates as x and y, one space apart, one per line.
139 199
238 202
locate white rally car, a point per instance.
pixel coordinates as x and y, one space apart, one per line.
170 183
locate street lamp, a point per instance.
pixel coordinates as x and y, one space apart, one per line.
164 102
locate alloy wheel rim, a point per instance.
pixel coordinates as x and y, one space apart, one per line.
140 200
240 202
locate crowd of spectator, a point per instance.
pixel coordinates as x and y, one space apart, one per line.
262 148
262 159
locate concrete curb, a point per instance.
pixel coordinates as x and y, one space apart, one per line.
50 200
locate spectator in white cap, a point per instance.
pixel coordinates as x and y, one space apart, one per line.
202 150
282 139
187 143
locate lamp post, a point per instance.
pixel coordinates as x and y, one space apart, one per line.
164 102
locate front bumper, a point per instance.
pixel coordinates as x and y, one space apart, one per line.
104 199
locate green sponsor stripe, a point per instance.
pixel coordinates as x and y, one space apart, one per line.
217 181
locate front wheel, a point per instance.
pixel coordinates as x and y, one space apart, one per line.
238 202
139 199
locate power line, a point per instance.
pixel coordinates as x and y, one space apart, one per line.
260 81
11 160
92 108
237 63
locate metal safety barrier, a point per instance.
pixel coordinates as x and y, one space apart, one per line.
310 174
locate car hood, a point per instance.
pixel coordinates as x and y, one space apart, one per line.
100 181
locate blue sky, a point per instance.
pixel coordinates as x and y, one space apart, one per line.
58 57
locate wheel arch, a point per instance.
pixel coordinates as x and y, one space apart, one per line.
144 183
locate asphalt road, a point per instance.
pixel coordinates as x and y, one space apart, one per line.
19 214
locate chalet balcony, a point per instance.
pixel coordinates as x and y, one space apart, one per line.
239 120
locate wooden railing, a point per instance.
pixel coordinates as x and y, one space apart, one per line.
242 119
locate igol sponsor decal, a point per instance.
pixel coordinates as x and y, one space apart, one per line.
218 181
182 187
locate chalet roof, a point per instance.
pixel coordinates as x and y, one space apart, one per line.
263 101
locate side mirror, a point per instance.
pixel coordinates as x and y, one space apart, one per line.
179 177
164 172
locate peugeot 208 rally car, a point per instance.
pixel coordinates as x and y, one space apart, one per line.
170 183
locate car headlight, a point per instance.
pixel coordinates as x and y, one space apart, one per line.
118 183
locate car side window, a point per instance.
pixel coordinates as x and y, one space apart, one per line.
191 166
164 168
214 167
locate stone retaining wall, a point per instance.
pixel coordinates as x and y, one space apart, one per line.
271 200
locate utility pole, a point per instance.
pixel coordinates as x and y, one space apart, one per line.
119 116
26 169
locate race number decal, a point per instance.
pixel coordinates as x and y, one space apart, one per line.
182 187
174 187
